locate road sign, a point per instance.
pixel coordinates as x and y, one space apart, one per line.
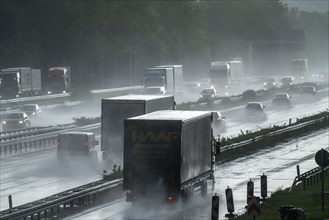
254 206
322 158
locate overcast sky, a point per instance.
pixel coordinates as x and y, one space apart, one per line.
309 5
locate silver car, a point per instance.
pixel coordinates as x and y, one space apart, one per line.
15 120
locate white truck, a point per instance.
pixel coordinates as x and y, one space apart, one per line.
168 78
72 145
19 81
225 74
115 110
59 80
298 69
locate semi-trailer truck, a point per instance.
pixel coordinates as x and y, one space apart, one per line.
168 155
19 81
177 77
59 80
225 74
116 109
298 69
168 78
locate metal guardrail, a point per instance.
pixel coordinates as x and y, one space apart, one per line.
54 204
25 132
39 140
274 133
60 98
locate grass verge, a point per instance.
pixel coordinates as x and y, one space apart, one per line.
309 200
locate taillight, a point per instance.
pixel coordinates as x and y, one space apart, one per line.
170 198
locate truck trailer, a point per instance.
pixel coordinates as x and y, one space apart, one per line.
19 82
59 80
168 155
116 109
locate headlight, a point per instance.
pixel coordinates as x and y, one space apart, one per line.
4 122
281 84
226 93
201 96
17 96
199 84
274 84
302 77
265 84
290 83
226 86
21 122
64 92
49 92
33 113
213 96
212 87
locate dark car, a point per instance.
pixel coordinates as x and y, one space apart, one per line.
307 90
281 99
208 94
287 82
270 83
255 110
31 109
218 120
16 120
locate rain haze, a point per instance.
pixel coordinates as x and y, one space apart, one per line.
152 109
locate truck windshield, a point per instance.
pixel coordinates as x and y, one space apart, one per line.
8 80
149 82
13 116
56 75
218 74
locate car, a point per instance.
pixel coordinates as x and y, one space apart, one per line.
314 84
31 109
281 99
218 120
307 90
287 82
155 91
208 95
15 120
270 83
255 110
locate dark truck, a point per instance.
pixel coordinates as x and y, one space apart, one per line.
168 155
116 110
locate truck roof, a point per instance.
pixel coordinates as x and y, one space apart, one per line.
174 65
77 133
136 98
15 68
172 115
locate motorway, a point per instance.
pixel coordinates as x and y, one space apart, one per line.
278 163
34 175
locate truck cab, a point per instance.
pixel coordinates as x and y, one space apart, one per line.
76 144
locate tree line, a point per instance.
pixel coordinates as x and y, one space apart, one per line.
106 40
